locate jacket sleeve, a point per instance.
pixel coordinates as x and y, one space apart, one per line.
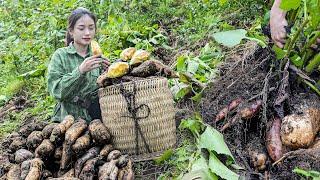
61 84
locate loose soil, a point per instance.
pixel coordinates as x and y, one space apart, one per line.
247 74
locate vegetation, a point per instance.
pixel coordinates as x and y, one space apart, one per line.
186 35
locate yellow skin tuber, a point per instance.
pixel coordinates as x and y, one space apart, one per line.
96 50
117 69
299 131
139 57
127 53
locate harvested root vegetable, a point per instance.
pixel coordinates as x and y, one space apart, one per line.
82 143
115 154
46 132
222 114
61 129
65 178
75 131
27 129
99 132
22 155
36 168
25 167
89 169
139 56
34 139
126 173
106 150
92 152
5 164
108 171
17 143
14 172
299 131
117 69
45 149
122 161
152 68
96 50
66 156
273 140
250 112
70 173
258 160
127 54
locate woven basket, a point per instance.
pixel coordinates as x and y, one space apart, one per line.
159 128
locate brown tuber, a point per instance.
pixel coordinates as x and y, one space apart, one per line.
45 149
46 132
106 150
92 152
34 139
14 173
223 113
152 68
75 131
82 143
273 140
36 168
59 131
22 155
99 132
299 131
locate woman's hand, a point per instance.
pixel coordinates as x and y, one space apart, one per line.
93 62
277 26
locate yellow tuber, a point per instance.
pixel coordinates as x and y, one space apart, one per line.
96 50
127 53
139 56
117 69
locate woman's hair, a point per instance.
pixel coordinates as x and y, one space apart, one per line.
73 18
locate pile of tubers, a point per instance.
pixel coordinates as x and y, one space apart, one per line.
71 149
134 65
293 134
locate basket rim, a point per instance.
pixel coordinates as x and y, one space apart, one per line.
152 78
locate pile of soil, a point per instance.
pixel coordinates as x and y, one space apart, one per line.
252 73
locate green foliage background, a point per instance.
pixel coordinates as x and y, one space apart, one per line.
30 31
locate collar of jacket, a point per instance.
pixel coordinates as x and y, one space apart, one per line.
72 50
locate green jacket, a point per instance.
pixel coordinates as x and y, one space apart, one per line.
66 84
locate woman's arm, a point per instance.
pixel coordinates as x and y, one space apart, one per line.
63 85
277 24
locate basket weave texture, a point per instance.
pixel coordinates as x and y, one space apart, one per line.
158 128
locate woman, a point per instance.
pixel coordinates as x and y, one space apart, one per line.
72 71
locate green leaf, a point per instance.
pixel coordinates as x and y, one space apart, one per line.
313 7
200 170
280 53
213 140
180 90
230 38
165 156
296 60
181 66
192 66
220 169
290 4
192 124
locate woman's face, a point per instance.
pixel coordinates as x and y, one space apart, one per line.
83 31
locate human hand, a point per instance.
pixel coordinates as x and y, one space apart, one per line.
93 62
278 23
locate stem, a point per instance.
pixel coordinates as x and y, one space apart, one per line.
313 64
311 41
312 87
295 37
